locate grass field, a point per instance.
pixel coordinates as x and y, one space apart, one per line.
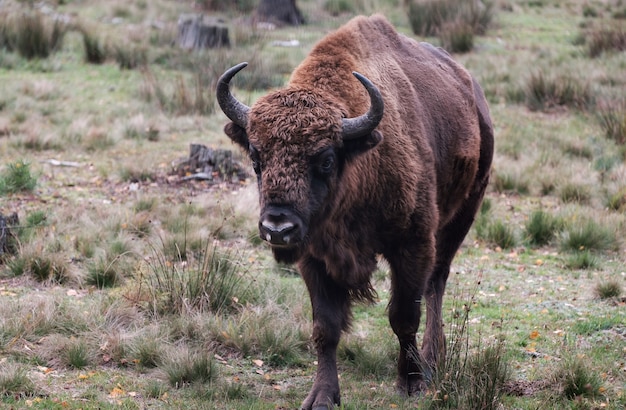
125 286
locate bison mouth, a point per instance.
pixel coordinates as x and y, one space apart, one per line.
281 227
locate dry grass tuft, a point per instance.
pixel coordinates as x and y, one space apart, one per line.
608 38
32 34
14 381
545 92
576 379
612 117
611 289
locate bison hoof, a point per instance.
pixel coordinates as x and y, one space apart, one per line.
319 399
415 386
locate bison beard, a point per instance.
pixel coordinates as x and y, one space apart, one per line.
393 162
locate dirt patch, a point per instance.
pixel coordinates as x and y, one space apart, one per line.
525 387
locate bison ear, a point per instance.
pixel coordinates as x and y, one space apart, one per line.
237 134
354 147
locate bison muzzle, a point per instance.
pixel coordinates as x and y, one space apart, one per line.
378 146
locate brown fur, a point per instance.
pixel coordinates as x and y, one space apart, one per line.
410 197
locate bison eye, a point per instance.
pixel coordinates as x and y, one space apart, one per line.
256 161
326 162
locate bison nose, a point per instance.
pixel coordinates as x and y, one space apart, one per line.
280 227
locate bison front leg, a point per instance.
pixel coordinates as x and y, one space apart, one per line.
331 313
409 268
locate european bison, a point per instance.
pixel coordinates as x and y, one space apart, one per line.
338 187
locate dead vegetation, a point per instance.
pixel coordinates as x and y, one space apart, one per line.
127 286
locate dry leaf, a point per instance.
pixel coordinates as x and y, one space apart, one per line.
117 392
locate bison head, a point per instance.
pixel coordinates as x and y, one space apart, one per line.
299 142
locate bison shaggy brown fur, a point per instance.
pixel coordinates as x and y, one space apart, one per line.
394 162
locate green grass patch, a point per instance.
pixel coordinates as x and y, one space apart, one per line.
575 193
582 259
577 379
542 227
588 235
14 382
17 177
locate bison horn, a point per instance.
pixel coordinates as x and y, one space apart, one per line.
364 124
236 111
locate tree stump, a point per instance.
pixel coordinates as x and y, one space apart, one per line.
208 164
279 12
197 31
8 245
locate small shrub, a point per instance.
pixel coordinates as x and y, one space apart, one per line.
611 289
541 227
588 235
577 379
612 119
16 177
574 193
544 93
